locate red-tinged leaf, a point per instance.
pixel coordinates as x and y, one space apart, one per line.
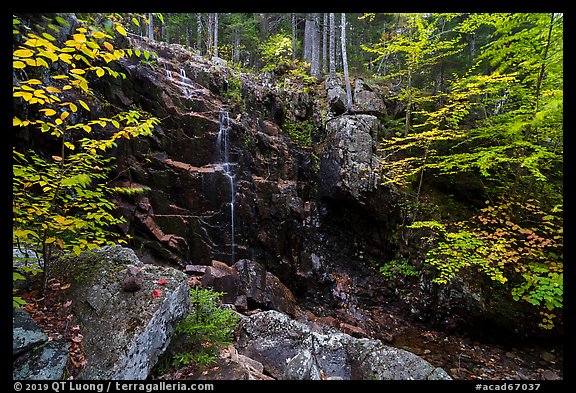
67 304
156 293
162 281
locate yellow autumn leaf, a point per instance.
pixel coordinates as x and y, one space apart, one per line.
108 46
84 105
78 71
64 115
23 53
121 30
98 34
100 72
53 89
16 121
65 57
40 61
87 128
33 42
81 38
73 107
48 112
18 64
39 93
25 95
33 82
84 85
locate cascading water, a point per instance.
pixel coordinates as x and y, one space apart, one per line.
168 73
223 148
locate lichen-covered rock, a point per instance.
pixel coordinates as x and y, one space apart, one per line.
367 100
348 165
302 367
125 332
292 350
336 95
45 362
387 363
26 334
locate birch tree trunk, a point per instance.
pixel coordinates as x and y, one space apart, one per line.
293 36
307 55
199 32
236 47
209 34
216 35
332 49
315 66
324 44
345 65
150 27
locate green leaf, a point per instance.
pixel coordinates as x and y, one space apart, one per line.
17 302
78 180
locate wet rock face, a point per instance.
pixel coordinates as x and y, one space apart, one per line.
305 218
124 332
289 349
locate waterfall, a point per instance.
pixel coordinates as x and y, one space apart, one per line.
223 148
168 73
183 74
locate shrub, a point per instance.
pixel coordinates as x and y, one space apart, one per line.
207 329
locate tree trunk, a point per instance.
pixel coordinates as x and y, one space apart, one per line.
324 44
345 65
199 32
216 35
332 46
315 69
236 47
209 34
308 32
338 52
293 36
408 103
150 27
